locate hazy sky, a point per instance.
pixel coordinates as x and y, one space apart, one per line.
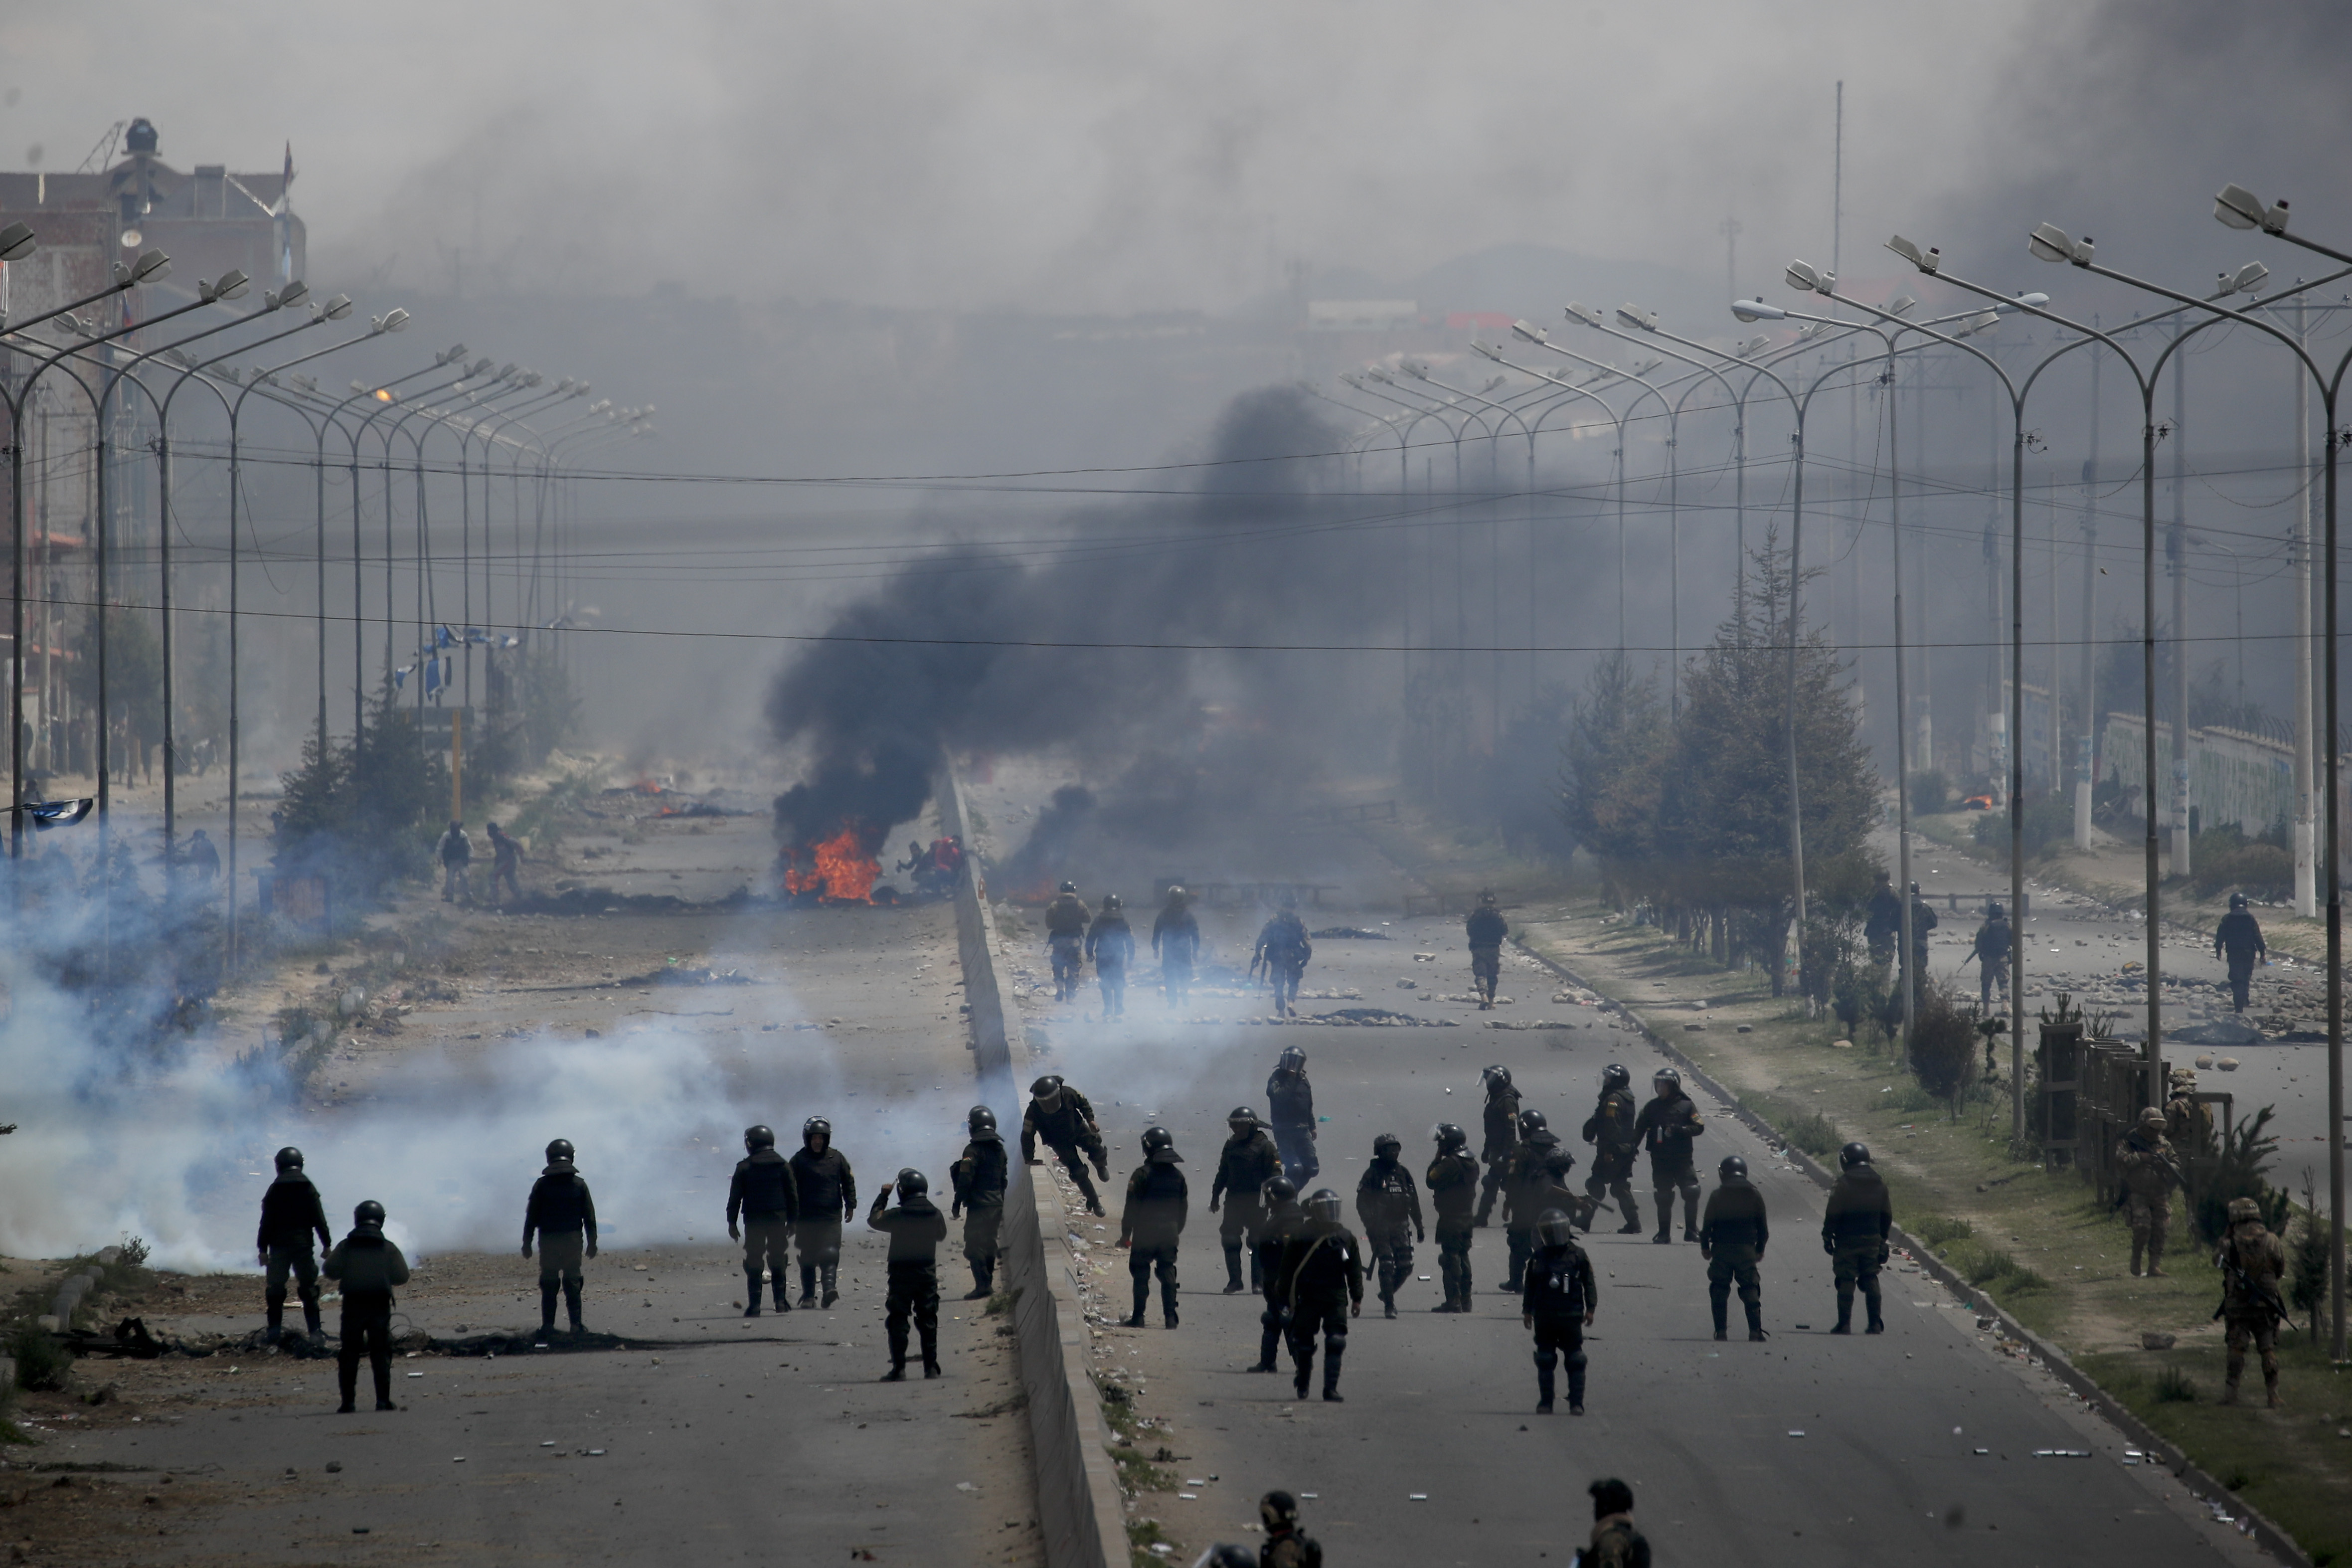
1012 153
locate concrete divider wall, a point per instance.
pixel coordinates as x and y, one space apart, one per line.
1079 1510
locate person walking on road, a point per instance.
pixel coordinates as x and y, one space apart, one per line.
457 855
291 1215
1732 1238
2251 1263
1065 935
1283 1216
505 862
765 1196
1616 1542
2240 940
1559 1303
1991 949
979 1178
1248 1162
1286 1546
2148 1172
1176 940
1290 1106
1284 950
1500 1123
1321 1283
1452 1180
825 1198
1387 1202
1527 1178
1610 1131
916 1228
562 1215
1666 1126
1060 1116
1151 1223
1111 948
1485 929
1855 1226
368 1267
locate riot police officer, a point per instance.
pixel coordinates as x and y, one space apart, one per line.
1855 1226
1501 1125
1528 1175
1290 1106
368 1267
1484 930
825 1196
1065 932
1321 1283
564 1215
1610 1131
1667 1125
767 1199
291 1215
1283 949
979 1179
1283 1216
1559 1302
1732 1240
1152 1221
1248 1160
1453 1191
916 1228
1062 1117
1387 1202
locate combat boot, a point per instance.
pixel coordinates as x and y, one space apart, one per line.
1331 1395
2156 1261
750 1294
2271 1393
1258 1270
831 1274
1722 1318
1845 1313
1305 1372
269 1336
311 1319
1877 1324
347 1377
1544 1383
1756 1321
1233 1286
571 1308
776 1294
1168 1302
982 1274
2137 1249
547 1306
808 1284
2230 1392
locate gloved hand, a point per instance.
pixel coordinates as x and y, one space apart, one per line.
1884 1254
526 1249
1102 1169
1421 1238
1828 1247
1214 1202
733 1233
591 1249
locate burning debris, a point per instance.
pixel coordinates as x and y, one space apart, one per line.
839 868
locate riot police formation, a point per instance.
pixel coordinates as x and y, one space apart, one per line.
762 1203
2251 1263
1284 950
1500 1123
1387 1202
1855 1226
1610 1131
2239 939
562 1215
1151 1223
1176 938
1111 948
1666 1126
1732 1240
1290 1106
2144 1157
824 1194
979 1178
1452 1179
1558 1302
1320 1284
1248 1162
1528 1175
1286 1546
1484 929
368 1267
916 1228
1060 1117
291 1215
1279 1199
1065 934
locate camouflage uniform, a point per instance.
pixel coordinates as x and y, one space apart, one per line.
1617 1544
2149 1172
2188 1122
2252 1263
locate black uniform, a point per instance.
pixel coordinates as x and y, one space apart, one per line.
1527 1176
1245 1166
1282 947
1923 920
1453 1192
368 1267
1732 1236
1855 1227
1485 929
562 1215
1387 1202
1176 938
825 1194
1560 1290
916 1228
1321 1278
1290 1108
290 1215
2240 939
1883 926
1065 932
1111 946
1502 1136
979 1179
767 1198
1282 1222
1610 1131
1068 1129
1666 1126
1149 1226
1992 945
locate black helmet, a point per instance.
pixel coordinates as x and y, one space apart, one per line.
1291 1060
560 1148
1242 1119
1278 1189
754 1140
1611 1496
290 1158
1486 896
913 1184
1533 1122
2237 900
368 1213
1045 1088
1278 1510
1554 1228
1993 911
1226 1554
1733 1165
1853 1154
980 1119
816 1127
1915 888
1496 1077
1387 1146
1177 895
1110 902
1067 888
1160 1147
1450 1137
1614 1075
1323 1203
1667 1075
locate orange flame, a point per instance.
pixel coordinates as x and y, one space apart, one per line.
837 869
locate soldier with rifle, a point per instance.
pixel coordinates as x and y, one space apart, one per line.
2148 1172
2252 1262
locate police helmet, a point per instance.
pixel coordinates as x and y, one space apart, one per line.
1278 1189
1994 912
1853 1154
1226 1554
1242 1119
2243 1209
1915 888
1110 902
754 1139
1323 1203
1278 1510
1554 1228
1291 1060
1533 1122
290 1158
1733 1165
1496 1077
1610 1496
1387 1146
1486 896
1450 1137
1614 1075
1176 894
560 1148
2237 900
1045 1088
816 1127
913 1184
1559 1161
1667 1075
981 1120
1155 1139
1067 888
369 1213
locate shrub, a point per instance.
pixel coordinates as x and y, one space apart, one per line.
2237 1173
2049 820
2174 1386
1812 1132
42 1362
2258 871
2307 1259
1936 1230
1943 1047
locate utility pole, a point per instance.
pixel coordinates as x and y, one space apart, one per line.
2176 553
2086 770
2307 861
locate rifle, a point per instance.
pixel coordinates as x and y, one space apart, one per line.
2267 1298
